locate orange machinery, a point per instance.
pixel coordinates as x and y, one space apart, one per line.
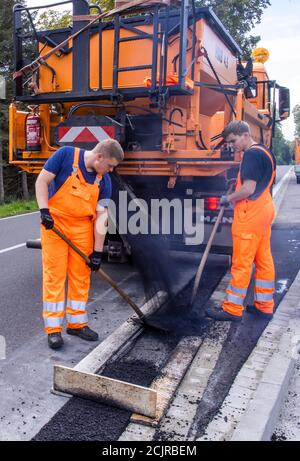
164 78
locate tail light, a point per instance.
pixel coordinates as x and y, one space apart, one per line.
212 203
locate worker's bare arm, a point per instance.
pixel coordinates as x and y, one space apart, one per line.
41 188
247 189
100 228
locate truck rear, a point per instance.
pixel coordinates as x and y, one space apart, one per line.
164 79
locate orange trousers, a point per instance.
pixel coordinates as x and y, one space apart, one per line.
248 249
60 262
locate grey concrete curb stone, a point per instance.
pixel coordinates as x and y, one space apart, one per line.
263 410
281 188
253 404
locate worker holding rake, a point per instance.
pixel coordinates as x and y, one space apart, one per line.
73 191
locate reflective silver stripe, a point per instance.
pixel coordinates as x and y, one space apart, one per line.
76 305
53 321
238 291
53 307
234 299
263 296
82 318
265 284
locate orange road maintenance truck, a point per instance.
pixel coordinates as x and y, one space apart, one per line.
163 78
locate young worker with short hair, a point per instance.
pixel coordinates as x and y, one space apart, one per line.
254 213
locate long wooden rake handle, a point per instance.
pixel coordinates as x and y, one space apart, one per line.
207 250
205 255
103 275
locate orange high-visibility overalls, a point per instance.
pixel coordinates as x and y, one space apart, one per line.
73 208
251 234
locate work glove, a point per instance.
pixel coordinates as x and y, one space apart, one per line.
46 218
95 260
224 201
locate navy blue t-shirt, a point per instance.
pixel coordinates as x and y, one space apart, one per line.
61 164
258 167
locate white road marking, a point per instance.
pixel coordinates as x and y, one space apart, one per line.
18 215
5 250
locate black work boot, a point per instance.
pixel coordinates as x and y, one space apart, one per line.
264 315
218 313
55 340
84 333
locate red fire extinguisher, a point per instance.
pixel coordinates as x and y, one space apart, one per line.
33 132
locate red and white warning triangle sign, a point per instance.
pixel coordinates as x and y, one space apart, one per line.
85 133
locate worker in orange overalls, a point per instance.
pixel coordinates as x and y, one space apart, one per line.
72 192
254 213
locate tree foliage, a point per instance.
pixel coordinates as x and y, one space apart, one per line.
6 64
239 17
12 180
105 5
282 149
53 19
296 113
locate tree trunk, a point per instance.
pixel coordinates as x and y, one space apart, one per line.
1 173
24 185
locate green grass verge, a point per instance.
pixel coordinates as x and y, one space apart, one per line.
17 207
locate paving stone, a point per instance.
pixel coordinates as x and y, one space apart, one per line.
135 432
252 364
176 430
206 360
246 382
254 423
182 412
225 426
213 436
266 344
239 397
183 398
276 371
250 373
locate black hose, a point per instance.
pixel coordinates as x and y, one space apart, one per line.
79 106
154 113
86 104
176 109
114 106
201 139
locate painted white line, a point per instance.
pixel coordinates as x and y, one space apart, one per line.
19 215
5 250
